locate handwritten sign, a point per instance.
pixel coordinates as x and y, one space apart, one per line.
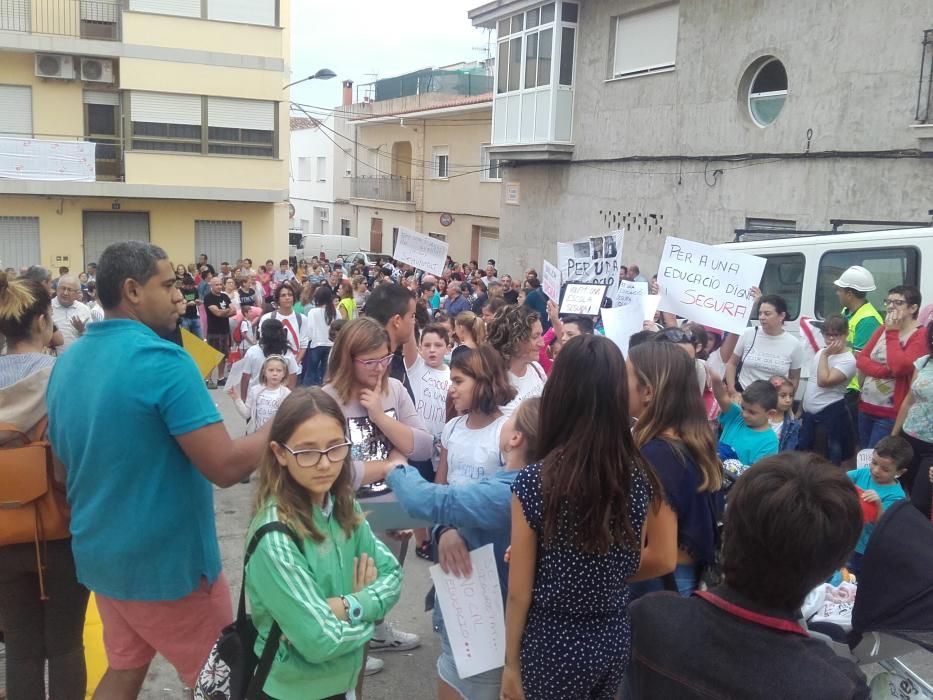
594 260
583 299
473 617
422 252
621 323
550 281
708 285
627 291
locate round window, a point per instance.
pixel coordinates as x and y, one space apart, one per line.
767 91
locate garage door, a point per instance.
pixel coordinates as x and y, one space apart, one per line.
19 241
488 246
101 228
222 241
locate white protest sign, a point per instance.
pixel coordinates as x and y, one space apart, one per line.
423 252
583 299
550 281
650 304
708 285
595 260
627 290
473 617
623 322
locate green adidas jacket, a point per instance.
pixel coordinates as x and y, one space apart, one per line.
319 655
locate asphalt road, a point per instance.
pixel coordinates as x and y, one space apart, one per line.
407 675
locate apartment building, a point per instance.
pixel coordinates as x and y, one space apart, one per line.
140 119
420 150
698 119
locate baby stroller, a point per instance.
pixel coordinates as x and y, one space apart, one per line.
893 611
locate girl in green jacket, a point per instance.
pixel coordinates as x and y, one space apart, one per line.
326 595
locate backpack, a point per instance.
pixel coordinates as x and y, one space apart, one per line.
232 671
32 508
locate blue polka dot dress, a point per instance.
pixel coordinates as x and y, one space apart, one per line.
577 640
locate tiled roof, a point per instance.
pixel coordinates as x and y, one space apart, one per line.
299 123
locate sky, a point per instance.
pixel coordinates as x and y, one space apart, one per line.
356 38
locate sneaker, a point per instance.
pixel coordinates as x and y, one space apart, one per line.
211 385
222 382
373 666
387 638
423 551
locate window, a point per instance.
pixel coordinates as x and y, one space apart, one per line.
441 162
757 224
767 90
567 39
304 169
19 241
784 276
490 166
241 127
344 227
438 236
166 122
646 42
263 12
102 126
536 31
889 266
322 169
16 109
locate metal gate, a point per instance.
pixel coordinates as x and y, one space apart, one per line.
221 241
101 228
19 241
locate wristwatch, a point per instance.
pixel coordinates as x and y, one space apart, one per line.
353 608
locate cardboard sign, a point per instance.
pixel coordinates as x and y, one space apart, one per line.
550 281
419 251
473 616
583 299
594 260
623 322
708 285
205 357
627 290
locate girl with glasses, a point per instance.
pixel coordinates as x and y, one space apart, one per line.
381 418
327 593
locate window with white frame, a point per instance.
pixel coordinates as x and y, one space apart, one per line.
16 109
441 162
344 227
646 41
304 169
321 169
490 166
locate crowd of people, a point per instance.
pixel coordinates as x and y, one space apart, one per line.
601 481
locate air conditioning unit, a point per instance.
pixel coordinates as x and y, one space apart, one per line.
97 70
50 65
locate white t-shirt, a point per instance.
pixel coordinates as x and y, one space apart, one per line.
816 397
764 356
472 455
527 387
262 404
297 337
252 364
430 386
318 328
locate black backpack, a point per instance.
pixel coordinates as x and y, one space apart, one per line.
232 671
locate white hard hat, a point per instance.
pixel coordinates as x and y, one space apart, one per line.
857 278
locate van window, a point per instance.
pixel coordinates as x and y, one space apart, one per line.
784 276
889 266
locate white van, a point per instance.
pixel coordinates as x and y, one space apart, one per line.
802 268
311 244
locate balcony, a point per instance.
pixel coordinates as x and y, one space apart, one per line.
84 19
387 189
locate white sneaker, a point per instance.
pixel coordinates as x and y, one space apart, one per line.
373 666
387 638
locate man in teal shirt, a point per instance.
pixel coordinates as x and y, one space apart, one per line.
142 443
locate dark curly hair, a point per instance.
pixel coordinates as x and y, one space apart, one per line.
510 329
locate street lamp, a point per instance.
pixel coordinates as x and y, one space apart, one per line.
323 74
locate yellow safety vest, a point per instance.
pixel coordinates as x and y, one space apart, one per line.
866 310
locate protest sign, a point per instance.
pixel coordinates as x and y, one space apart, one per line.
650 304
627 290
422 252
595 260
205 357
550 281
623 322
708 285
473 617
583 299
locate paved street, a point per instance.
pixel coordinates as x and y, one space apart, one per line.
407 675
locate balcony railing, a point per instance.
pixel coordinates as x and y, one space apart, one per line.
87 19
389 189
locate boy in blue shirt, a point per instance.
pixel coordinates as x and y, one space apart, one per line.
747 428
877 484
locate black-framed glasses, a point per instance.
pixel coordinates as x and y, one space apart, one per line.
895 302
311 457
